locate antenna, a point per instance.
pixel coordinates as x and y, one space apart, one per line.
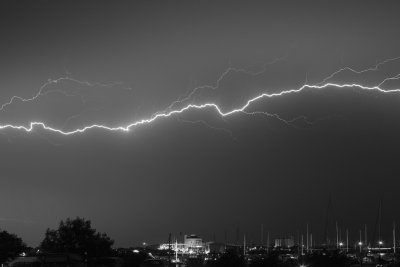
226 237
307 240
380 220
262 235
244 244
237 235
337 236
169 248
378 223
394 238
330 218
298 242
176 250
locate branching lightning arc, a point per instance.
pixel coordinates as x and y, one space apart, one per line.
172 111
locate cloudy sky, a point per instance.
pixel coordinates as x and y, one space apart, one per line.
73 64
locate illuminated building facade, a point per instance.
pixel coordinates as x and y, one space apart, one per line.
286 242
192 244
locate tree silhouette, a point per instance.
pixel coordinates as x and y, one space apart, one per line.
10 246
77 236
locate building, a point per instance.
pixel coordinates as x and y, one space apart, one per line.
192 241
192 244
285 242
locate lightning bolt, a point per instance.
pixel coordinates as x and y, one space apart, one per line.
374 68
224 74
396 77
289 122
172 112
42 92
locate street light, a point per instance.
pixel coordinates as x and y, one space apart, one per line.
380 244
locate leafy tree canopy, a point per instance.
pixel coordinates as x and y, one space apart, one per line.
77 236
10 246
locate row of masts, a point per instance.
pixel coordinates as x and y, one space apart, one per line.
308 241
340 244
309 244
339 241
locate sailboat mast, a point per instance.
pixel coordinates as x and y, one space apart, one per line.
394 237
307 240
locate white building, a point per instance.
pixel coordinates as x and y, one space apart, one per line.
193 241
192 244
285 242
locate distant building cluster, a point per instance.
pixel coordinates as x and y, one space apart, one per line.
194 245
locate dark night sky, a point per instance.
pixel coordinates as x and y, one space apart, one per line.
178 174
